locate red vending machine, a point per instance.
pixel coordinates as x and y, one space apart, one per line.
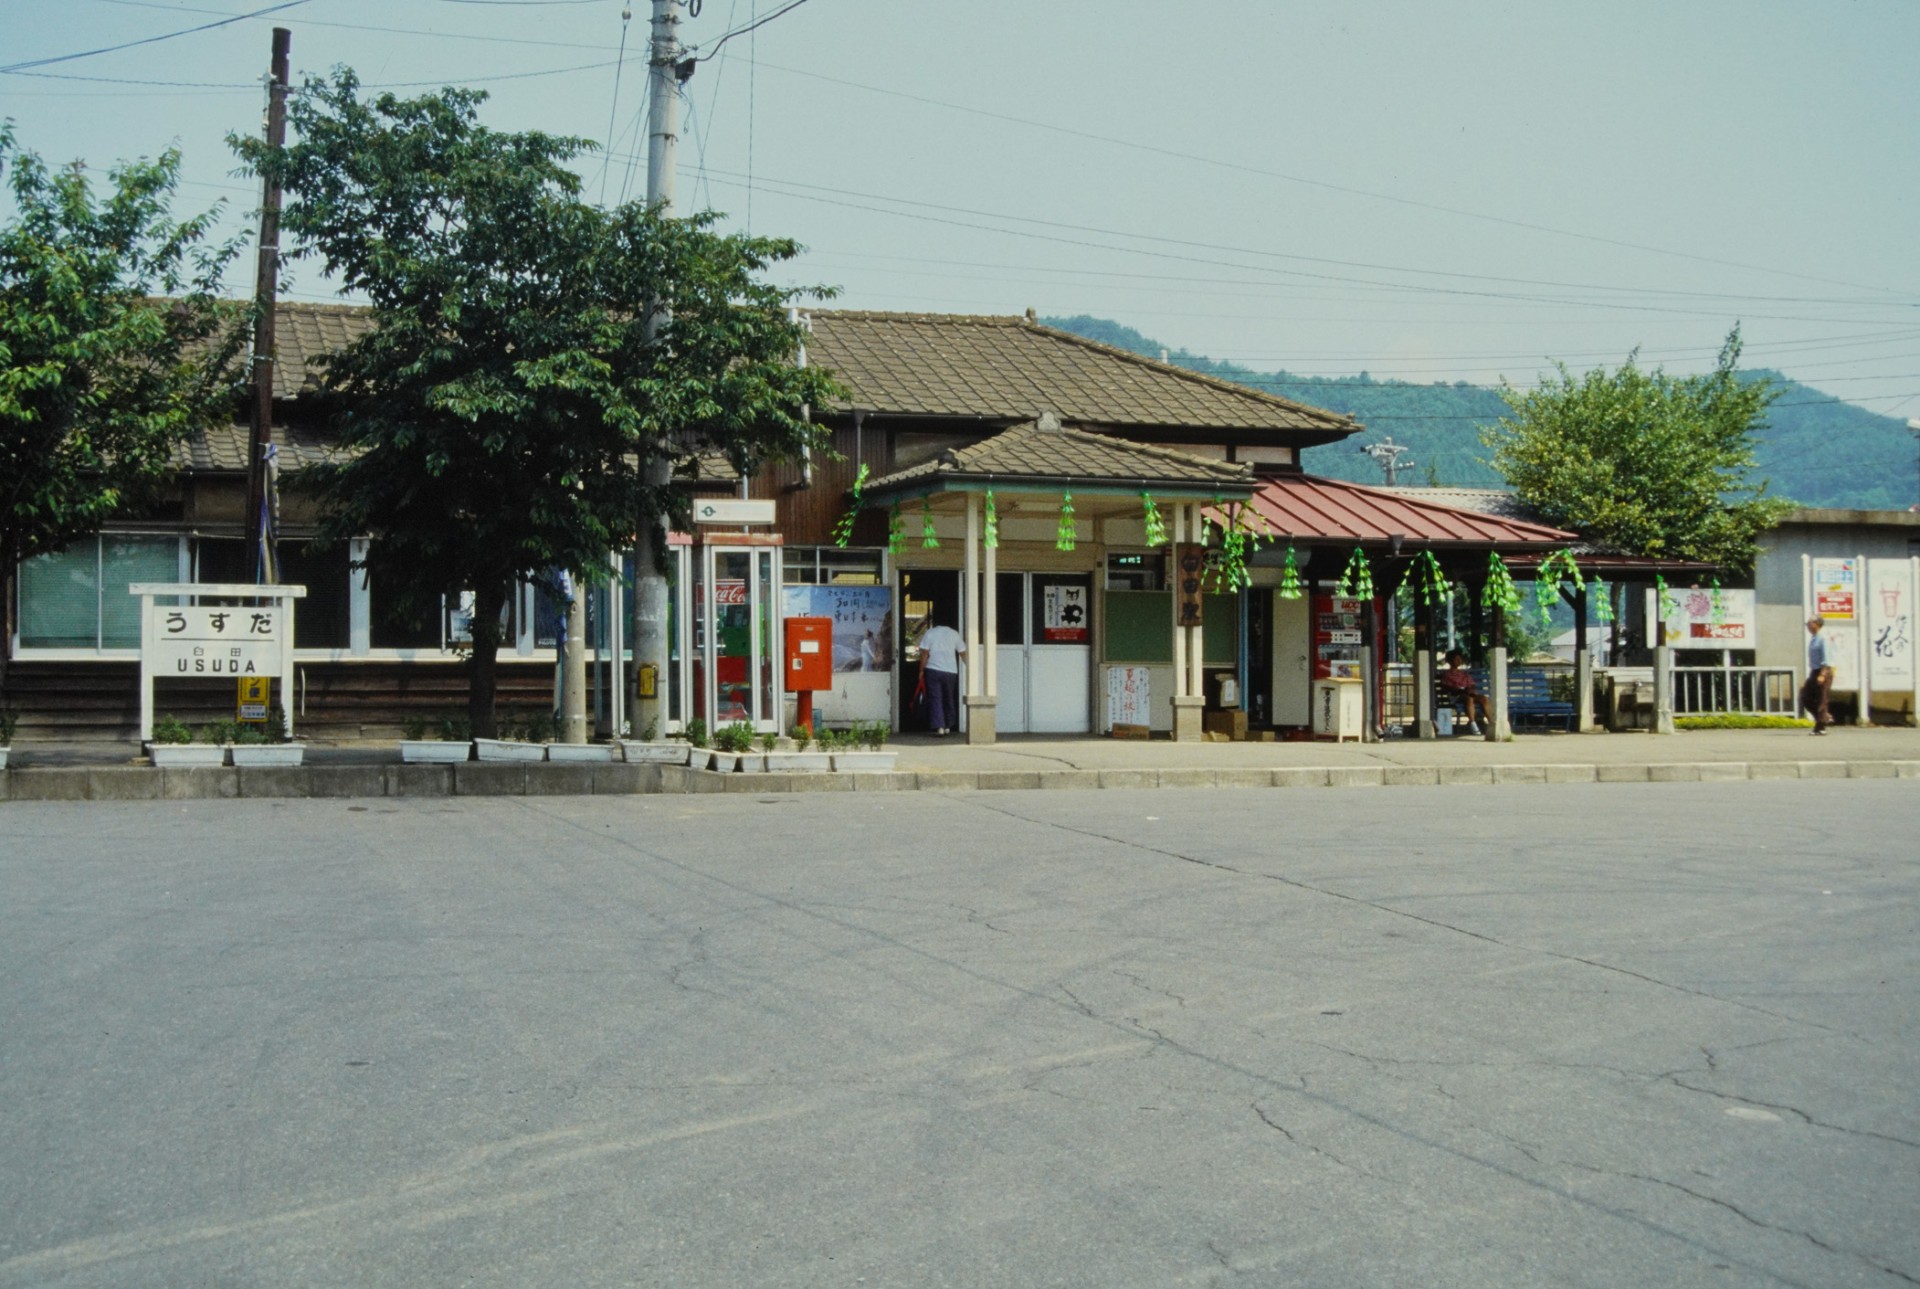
1338 633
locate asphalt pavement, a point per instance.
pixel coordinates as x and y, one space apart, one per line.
1594 1034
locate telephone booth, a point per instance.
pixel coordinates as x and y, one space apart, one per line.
735 618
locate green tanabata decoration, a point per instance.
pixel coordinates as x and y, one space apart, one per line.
1719 605
1156 526
843 530
1669 602
1238 542
896 531
1558 566
1500 593
1290 577
1603 601
928 538
1430 580
1068 535
1356 583
993 523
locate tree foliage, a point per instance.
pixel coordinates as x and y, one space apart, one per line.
100 377
499 419
1651 463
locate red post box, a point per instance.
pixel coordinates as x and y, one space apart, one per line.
809 662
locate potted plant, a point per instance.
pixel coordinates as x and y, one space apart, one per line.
272 746
9 721
172 746
796 756
522 738
733 748
455 741
864 748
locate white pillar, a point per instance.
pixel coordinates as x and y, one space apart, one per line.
1196 645
990 596
1179 631
970 594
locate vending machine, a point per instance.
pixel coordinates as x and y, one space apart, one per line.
1338 633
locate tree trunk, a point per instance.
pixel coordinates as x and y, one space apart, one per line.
484 672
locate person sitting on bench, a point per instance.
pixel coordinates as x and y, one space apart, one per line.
1456 685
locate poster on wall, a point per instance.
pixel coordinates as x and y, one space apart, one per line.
1128 695
862 622
1695 622
1890 633
1067 616
1833 589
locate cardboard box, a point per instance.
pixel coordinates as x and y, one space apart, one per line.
1123 730
1233 724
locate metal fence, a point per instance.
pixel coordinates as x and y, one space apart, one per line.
1765 691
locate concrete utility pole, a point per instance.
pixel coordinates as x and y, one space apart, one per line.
1388 454
650 616
1914 425
258 524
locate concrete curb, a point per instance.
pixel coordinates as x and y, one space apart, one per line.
493 779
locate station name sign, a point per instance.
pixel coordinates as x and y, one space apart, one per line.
200 640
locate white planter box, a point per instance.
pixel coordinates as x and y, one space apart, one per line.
433 751
181 755
800 762
674 753
499 749
729 762
858 762
578 752
3 756
267 755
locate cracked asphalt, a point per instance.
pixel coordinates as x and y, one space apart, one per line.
1661 1034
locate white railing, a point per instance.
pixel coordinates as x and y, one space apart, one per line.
1765 691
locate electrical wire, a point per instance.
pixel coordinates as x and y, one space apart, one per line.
620 66
755 25
150 40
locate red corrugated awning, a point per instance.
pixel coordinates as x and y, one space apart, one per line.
1306 508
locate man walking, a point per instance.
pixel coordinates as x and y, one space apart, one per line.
1813 694
941 649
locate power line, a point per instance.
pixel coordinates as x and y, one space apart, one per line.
150 40
754 25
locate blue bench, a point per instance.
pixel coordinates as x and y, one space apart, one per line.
1528 699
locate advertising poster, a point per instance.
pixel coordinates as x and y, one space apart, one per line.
862 622
1128 691
1890 634
1833 589
1694 623
1067 615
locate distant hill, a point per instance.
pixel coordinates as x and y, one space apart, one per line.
1814 450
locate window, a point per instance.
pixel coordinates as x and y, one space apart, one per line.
78 598
1137 572
831 566
324 619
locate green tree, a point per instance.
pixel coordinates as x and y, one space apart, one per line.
1651 463
100 378
498 420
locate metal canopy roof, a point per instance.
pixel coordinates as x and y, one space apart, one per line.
1306 508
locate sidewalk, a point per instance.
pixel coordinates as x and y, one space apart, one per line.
116 771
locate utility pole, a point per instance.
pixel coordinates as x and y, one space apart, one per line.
1914 425
666 68
258 526
1388 454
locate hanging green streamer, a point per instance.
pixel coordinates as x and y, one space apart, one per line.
1068 535
1669 602
843 529
1356 583
1546 582
1156 526
993 523
1430 580
1500 592
896 531
1719 606
1603 601
928 539
1290 577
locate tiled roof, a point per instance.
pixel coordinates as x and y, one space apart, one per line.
1304 506
1046 453
224 448
304 333
956 365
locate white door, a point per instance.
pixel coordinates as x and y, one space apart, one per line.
1292 661
1045 653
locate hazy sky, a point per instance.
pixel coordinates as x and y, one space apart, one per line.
1419 190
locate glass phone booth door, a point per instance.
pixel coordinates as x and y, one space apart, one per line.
736 636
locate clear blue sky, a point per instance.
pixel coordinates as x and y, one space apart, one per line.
1420 191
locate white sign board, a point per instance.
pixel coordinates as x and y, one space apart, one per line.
208 641
1890 623
733 511
1692 622
1127 696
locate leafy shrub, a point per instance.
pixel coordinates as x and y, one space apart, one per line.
769 741
736 737
802 736
1740 721
414 727
171 729
696 732
9 722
